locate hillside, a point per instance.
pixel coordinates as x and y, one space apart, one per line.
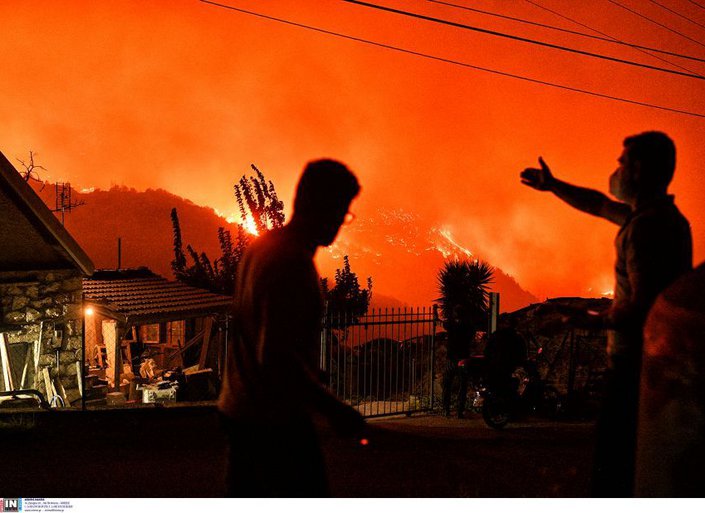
401 252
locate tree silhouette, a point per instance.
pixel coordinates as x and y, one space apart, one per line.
347 297
257 200
256 196
30 172
465 283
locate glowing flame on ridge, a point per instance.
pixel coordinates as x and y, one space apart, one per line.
454 248
234 218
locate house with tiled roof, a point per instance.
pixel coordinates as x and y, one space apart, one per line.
60 317
134 316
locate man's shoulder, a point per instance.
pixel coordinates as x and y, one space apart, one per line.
275 253
665 216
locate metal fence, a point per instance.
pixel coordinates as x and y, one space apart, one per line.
381 363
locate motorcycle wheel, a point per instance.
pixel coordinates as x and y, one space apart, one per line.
495 412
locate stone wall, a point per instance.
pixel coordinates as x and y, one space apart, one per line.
42 302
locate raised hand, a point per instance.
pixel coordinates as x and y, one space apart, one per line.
540 179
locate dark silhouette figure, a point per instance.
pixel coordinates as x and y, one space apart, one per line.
460 332
504 352
654 247
272 388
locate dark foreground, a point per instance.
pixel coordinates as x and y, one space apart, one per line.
180 452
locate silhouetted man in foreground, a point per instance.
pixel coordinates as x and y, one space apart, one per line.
654 247
272 389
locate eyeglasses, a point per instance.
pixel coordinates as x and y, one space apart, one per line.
349 218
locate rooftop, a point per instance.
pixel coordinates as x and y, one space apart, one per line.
139 296
30 235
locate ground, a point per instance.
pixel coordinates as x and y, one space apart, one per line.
180 452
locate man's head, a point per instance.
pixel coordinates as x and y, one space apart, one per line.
324 193
646 167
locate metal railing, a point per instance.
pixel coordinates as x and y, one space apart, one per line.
382 363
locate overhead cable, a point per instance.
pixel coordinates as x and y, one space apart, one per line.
454 62
696 3
656 22
613 39
522 39
567 31
666 8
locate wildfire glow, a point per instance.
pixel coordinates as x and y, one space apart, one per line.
249 225
451 247
420 170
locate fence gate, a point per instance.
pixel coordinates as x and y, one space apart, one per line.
381 363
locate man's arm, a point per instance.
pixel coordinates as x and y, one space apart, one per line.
587 200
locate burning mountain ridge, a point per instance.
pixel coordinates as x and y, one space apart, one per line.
400 251
403 253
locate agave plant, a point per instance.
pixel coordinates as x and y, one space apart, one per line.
465 284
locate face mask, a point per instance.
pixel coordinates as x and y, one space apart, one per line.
615 187
621 187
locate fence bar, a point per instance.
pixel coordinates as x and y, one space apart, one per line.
377 362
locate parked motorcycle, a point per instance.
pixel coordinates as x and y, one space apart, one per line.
502 399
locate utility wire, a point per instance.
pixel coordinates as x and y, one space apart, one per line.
611 38
656 22
522 39
666 8
696 3
607 39
454 62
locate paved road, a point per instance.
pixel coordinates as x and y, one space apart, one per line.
179 452
432 456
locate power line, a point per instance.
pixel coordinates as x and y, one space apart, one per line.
665 8
614 39
522 39
696 3
454 62
607 39
656 22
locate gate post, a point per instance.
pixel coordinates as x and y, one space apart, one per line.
433 353
322 364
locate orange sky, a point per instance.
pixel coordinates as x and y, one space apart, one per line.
182 95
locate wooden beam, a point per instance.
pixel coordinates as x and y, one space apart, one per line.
5 361
50 392
120 333
37 351
98 326
62 391
79 374
188 344
207 328
26 365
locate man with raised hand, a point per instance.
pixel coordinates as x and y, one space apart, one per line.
654 247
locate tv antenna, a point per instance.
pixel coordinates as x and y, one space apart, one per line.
64 203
